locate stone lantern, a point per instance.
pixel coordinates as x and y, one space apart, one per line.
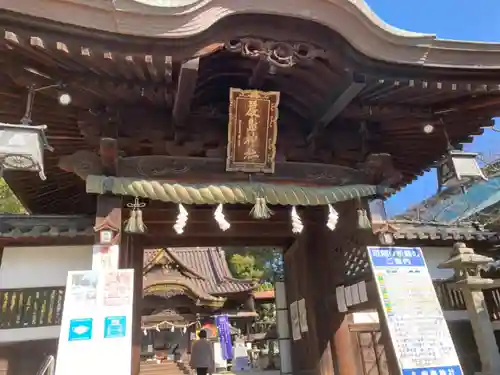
467 265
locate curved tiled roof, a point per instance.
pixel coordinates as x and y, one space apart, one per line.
353 19
205 268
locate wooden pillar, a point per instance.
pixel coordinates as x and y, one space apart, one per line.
109 221
131 256
327 259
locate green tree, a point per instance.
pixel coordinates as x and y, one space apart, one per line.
264 264
9 204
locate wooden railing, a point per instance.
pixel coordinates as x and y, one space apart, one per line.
31 307
453 300
39 307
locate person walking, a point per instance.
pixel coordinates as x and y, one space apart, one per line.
202 355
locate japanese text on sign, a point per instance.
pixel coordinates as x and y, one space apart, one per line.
418 331
396 257
252 131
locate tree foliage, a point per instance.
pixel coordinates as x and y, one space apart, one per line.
9 204
264 263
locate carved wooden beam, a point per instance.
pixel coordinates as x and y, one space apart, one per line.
185 90
193 169
259 73
339 101
109 156
167 215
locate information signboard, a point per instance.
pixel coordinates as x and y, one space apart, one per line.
418 329
96 324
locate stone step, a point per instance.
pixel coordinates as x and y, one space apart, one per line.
165 368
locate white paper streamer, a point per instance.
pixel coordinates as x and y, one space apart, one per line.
333 218
297 225
220 219
181 221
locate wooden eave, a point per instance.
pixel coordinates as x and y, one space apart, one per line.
200 297
139 74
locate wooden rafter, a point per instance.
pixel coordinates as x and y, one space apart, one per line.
185 91
340 101
137 82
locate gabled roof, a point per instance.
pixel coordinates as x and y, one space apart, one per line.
202 269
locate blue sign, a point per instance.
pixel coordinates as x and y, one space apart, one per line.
115 327
396 257
80 329
222 323
447 370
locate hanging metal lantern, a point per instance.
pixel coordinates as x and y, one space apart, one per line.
458 168
21 148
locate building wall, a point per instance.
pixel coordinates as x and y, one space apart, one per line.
433 257
29 267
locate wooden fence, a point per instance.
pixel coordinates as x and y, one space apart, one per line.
39 307
31 307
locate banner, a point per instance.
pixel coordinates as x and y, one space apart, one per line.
222 323
96 327
417 327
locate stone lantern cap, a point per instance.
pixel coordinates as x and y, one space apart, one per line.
464 257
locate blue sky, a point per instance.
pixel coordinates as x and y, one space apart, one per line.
477 20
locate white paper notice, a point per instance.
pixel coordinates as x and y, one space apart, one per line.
348 296
363 295
105 257
303 315
339 292
294 317
355 294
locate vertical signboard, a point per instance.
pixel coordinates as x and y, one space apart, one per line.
252 131
96 327
417 327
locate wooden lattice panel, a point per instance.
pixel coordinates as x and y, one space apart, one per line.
372 352
356 262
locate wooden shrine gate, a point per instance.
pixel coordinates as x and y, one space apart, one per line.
171 121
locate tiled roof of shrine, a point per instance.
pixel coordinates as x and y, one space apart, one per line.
433 231
202 269
35 226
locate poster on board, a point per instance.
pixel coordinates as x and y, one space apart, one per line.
301 306
94 332
295 320
417 327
